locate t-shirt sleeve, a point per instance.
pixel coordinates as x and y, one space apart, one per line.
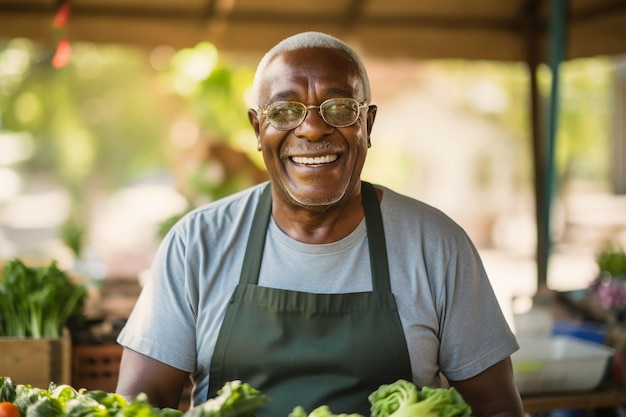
162 323
474 332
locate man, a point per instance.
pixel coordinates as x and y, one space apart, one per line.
316 288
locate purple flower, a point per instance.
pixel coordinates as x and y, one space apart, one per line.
610 293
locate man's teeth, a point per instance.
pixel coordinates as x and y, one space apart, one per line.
316 160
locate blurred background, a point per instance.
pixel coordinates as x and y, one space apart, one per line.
105 143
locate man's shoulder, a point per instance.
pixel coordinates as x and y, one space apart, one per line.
224 212
397 200
240 198
408 211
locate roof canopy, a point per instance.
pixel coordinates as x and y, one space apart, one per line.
503 30
477 29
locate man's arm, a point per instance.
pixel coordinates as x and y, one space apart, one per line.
492 392
162 383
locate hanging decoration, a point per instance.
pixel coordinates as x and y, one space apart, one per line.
63 51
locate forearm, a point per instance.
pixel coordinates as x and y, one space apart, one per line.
162 383
493 392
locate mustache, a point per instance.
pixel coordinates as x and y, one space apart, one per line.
313 147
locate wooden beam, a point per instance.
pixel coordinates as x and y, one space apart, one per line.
531 31
355 10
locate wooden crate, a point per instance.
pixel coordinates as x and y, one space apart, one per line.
37 361
96 367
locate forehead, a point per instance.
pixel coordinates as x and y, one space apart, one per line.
320 70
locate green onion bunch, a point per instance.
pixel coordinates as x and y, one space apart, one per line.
38 302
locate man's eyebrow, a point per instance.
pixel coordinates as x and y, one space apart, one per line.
330 92
282 96
339 91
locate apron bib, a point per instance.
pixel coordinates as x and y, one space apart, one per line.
311 349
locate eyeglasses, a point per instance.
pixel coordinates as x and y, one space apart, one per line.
337 112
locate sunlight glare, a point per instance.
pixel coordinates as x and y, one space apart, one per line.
10 184
15 147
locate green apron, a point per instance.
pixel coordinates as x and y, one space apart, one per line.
311 349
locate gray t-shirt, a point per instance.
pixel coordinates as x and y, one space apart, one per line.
450 315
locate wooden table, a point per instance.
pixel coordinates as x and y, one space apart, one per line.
603 397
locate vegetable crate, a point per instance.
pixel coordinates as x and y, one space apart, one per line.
37 362
96 366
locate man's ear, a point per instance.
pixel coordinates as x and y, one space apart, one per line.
253 118
371 116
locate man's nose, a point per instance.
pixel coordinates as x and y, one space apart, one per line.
313 127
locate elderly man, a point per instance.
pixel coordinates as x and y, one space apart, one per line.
317 287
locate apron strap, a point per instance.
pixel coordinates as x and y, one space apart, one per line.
375 236
256 239
379 262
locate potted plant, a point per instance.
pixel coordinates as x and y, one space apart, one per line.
609 287
612 261
38 304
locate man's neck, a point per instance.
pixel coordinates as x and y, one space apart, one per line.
318 226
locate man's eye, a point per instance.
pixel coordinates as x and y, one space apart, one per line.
278 112
284 111
340 108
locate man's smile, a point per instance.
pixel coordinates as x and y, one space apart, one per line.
325 159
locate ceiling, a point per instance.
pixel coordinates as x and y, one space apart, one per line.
476 29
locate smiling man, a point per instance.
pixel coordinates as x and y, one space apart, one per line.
317 287
317 157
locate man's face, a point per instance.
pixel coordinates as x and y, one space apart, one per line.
314 165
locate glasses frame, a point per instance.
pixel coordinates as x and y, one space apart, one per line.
264 110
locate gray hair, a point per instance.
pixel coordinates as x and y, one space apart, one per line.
309 40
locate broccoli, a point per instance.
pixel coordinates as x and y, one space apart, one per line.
234 399
387 399
403 399
321 411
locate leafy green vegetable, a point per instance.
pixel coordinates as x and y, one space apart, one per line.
140 407
26 396
39 301
612 260
234 399
45 407
387 399
7 389
96 403
64 393
403 399
65 401
167 412
322 411
298 412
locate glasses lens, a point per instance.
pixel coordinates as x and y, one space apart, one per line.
337 112
340 112
286 115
